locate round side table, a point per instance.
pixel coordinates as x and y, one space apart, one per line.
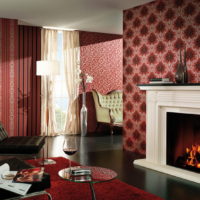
98 175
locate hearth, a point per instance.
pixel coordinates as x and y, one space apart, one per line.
183 139
171 152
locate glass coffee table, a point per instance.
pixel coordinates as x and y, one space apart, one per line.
98 175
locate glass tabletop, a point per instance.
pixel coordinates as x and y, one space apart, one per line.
98 174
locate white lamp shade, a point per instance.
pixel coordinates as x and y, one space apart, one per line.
46 68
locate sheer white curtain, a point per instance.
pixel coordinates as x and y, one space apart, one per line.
71 55
48 52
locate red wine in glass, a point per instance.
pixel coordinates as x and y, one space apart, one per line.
70 151
70 147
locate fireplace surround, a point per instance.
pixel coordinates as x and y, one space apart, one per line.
161 100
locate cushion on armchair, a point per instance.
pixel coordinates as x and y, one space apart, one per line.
116 115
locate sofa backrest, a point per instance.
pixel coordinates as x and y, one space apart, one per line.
112 100
3 133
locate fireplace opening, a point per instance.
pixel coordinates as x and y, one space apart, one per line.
183 141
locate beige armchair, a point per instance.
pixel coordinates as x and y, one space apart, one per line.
109 108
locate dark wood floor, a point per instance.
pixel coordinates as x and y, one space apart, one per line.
106 151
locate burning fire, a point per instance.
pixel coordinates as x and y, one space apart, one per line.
193 158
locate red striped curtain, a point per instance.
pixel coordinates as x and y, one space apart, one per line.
8 75
29 105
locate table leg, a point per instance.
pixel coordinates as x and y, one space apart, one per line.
49 196
93 192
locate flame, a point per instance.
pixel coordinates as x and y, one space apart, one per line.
193 158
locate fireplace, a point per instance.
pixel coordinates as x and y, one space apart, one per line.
173 120
183 141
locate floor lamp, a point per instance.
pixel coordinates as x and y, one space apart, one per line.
47 68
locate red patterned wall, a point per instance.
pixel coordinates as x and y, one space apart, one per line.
153 35
8 75
101 57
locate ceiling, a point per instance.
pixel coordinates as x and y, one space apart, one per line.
89 15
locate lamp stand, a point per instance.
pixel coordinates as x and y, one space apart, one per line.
47 161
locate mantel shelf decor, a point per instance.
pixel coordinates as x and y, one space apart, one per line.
181 75
84 78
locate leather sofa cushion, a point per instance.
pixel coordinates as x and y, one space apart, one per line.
22 145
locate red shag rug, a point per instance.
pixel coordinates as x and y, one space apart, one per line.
65 190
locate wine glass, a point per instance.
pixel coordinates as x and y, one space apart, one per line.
70 147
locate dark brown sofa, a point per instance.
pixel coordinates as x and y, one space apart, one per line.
20 144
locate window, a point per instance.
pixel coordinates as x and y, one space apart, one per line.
60 96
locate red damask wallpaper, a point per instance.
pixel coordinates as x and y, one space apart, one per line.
153 35
101 57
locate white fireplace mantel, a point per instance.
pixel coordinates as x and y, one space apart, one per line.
161 99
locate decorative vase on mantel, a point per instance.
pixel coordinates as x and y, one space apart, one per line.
181 73
83 116
185 69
